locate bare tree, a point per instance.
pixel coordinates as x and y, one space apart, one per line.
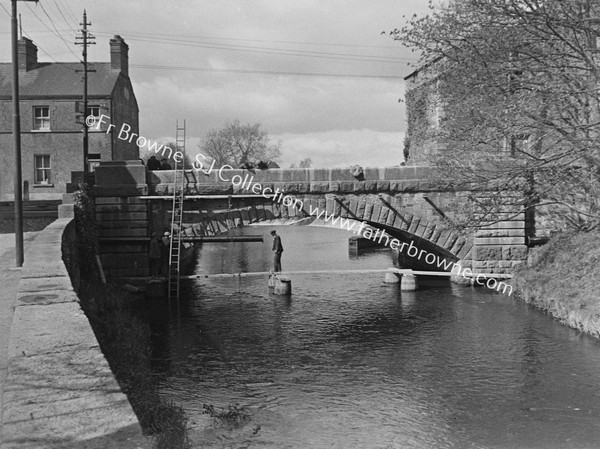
304 163
237 144
517 87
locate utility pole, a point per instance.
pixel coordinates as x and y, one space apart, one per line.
18 194
85 39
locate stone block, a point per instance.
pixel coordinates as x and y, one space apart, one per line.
334 186
360 210
123 232
383 186
428 231
368 211
414 224
125 216
123 224
359 186
290 187
487 252
347 186
319 187
479 264
213 189
410 186
376 211
120 189
465 251
514 253
320 175
120 207
500 232
370 186
120 173
500 241
66 211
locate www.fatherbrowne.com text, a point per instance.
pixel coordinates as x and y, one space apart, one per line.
277 196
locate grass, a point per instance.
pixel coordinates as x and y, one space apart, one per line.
125 342
562 279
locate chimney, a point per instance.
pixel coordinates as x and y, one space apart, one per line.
27 54
119 58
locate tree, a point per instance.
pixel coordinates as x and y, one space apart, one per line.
236 144
304 163
518 82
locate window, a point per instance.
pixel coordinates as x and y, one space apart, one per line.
42 169
93 161
41 117
93 111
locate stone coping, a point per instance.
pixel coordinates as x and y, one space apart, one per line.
59 391
295 174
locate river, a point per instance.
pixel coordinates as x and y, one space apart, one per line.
350 362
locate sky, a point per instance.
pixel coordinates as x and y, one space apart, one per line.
318 75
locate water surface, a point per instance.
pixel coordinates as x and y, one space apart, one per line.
350 362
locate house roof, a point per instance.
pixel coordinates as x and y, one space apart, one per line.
59 79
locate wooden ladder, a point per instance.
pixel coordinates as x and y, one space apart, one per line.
177 216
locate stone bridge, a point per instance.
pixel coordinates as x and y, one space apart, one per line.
406 202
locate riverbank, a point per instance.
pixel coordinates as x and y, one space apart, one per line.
562 280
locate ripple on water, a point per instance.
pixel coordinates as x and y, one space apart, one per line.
348 362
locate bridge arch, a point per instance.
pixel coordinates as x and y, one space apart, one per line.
363 220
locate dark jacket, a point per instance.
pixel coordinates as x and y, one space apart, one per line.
277 246
153 163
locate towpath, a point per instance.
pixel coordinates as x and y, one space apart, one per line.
9 284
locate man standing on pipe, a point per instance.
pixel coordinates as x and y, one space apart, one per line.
277 249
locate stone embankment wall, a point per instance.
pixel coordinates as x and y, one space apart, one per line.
60 391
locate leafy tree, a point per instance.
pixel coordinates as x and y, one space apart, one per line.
517 82
235 144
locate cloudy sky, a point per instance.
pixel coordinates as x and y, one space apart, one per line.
317 74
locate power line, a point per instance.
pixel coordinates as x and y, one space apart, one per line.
325 44
71 13
63 16
38 46
261 72
56 33
267 50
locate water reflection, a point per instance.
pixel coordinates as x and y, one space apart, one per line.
350 362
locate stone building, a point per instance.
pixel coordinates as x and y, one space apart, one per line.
424 112
51 96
